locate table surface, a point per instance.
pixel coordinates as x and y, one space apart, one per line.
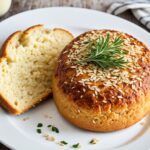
102 5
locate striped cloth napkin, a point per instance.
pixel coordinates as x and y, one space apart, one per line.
140 9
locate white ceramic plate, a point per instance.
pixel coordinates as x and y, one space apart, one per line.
22 135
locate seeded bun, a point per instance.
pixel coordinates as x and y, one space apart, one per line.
100 99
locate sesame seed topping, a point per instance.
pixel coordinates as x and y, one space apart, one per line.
84 89
120 97
104 101
81 96
78 111
94 122
97 79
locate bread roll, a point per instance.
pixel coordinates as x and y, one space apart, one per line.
98 99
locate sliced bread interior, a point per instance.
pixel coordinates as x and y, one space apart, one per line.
27 64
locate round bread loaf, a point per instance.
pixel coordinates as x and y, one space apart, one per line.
99 99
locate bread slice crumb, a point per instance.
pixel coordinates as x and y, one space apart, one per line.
27 65
49 138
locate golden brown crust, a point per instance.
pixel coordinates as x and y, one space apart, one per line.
114 119
11 37
13 110
32 28
65 73
7 42
7 105
60 29
124 98
3 100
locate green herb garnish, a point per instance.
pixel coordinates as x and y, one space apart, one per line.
76 145
39 131
63 142
39 125
54 129
93 141
105 53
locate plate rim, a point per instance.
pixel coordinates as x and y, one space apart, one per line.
6 143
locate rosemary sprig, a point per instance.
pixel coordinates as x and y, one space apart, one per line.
105 53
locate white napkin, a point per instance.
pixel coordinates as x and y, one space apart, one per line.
140 9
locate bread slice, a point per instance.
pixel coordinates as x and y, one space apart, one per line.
27 64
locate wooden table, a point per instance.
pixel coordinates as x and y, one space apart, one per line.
102 5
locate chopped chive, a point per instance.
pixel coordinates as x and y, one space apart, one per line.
63 142
76 145
39 125
54 129
93 141
38 131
